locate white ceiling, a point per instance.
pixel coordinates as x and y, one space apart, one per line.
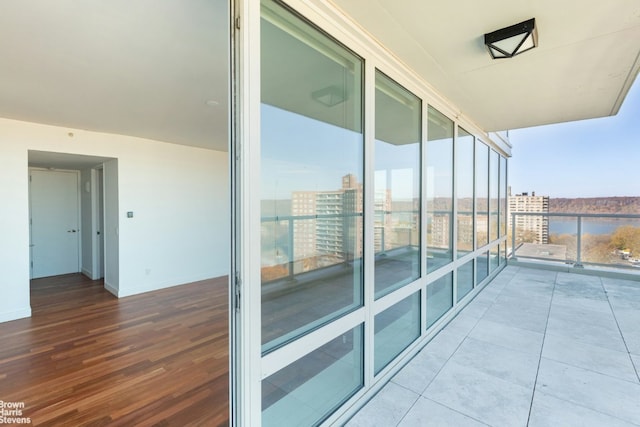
586 61
158 68
145 68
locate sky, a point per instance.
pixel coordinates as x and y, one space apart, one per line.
588 158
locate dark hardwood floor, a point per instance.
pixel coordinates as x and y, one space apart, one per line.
86 358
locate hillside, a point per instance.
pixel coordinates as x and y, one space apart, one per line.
609 205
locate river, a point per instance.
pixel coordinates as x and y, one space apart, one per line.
589 226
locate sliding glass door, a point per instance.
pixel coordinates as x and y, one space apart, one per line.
311 205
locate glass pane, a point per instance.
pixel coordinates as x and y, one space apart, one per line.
503 196
396 328
494 190
482 263
611 242
482 194
311 177
310 389
439 190
439 298
494 260
464 180
464 282
541 237
397 186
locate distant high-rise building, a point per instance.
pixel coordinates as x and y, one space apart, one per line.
536 226
332 231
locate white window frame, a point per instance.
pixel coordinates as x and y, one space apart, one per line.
249 367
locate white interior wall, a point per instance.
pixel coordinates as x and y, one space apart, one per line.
178 194
14 231
111 228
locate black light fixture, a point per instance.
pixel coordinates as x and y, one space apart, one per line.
511 41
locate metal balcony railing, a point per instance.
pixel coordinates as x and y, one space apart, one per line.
602 240
291 247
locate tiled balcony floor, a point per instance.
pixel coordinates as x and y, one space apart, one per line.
535 348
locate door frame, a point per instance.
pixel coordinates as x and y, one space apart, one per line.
78 210
97 223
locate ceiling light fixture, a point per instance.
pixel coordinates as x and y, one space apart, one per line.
511 41
330 96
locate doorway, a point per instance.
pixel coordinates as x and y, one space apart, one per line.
67 212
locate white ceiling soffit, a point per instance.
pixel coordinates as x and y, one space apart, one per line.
146 68
586 60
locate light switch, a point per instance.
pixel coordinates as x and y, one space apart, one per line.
130 214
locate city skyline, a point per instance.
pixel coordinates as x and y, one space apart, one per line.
588 158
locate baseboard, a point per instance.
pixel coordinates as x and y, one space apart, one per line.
14 315
166 284
87 273
111 289
151 288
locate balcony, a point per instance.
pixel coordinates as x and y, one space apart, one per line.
535 347
601 243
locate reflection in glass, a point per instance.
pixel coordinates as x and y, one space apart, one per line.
464 281
464 188
397 186
439 190
482 263
396 328
439 298
494 190
503 196
311 388
482 194
494 260
311 177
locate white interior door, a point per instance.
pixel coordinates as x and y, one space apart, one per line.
55 232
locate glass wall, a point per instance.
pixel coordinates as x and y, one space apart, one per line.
311 178
494 258
317 313
494 191
464 190
464 281
503 196
482 194
310 389
396 328
439 190
482 267
439 298
397 186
